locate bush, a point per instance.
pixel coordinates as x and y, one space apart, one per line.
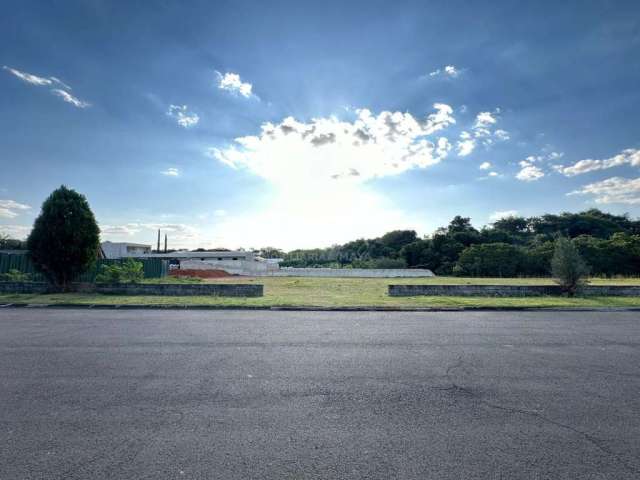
65 238
129 271
14 275
567 266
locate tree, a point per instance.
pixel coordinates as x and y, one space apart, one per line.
65 239
490 260
397 239
567 266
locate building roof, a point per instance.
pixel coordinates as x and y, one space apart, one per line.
128 244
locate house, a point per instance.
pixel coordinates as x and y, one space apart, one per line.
124 249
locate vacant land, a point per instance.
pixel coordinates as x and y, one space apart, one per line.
231 395
349 292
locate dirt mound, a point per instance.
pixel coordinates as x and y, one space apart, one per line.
199 273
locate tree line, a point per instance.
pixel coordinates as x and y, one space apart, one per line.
512 246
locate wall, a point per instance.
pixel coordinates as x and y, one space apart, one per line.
205 289
506 290
351 272
234 267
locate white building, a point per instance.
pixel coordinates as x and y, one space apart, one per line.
124 249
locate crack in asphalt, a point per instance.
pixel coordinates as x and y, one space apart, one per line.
475 396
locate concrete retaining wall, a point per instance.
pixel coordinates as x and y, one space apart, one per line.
205 289
507 290
351 272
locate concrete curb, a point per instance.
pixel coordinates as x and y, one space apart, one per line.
316 309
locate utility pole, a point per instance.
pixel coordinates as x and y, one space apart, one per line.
158 250
165 243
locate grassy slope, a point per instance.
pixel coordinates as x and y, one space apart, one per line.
348 292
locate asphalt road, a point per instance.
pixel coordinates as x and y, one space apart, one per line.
88 394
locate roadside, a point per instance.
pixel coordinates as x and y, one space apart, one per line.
342 293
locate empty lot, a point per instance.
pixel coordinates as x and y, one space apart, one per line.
241 394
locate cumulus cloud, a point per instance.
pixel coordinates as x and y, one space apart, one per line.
327 148
485 166
231 82
481 132
319 172
182 116
171 172
613 190
529 172
450 71
629 156
67 97
499 215
11 208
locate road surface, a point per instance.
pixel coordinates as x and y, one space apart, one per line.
155 394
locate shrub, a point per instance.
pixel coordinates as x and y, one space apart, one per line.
567 266
129 271
65 238
14 275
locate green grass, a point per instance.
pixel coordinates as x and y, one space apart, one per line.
349 292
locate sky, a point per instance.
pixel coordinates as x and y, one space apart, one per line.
299 124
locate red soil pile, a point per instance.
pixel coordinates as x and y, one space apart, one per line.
199 273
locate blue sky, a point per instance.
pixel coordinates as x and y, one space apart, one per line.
299 124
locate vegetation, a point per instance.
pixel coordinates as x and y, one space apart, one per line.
14 275
8 243
65 239
350 292
129 271
514 246
568 268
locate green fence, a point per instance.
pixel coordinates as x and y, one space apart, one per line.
153 267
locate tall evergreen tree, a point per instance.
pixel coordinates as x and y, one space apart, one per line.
65 238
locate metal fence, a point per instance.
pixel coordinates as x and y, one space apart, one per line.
153 267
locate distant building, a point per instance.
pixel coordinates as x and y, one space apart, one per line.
124 249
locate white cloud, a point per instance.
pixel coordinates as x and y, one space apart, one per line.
484 120
67 97
42 81
19 232
448 71
495 216
629 156
231 82
481 132
220 213
465 147
28 77
60 82
180 235
501 134
485 166
182 116
613 190
529 172
171 172
319 172
327 148
11 208
494 174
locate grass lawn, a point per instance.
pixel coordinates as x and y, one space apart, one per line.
348 292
